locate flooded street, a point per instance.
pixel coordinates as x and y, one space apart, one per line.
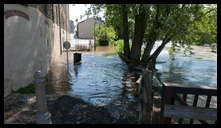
199 69
98 79
110 63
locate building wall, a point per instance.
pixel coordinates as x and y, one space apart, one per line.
85 29
31 42
71 26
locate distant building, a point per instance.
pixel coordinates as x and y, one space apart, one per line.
33 38
85 29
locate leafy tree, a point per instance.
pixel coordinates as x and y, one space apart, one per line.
105 33
144 24
204 30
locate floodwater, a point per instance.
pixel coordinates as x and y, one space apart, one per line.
198 69
98 79
192 70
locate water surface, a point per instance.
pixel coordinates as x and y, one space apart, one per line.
98 79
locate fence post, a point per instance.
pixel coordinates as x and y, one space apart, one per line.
147 104
43 116
166 98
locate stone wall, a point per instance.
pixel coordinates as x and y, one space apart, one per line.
32 41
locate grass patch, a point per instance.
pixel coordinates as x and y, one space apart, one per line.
27 89
30 88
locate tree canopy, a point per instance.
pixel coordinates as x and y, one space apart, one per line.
144 24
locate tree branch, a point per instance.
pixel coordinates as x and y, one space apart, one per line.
160 48
153 32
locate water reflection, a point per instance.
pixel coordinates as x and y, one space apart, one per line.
76 67
98 78
58 80
188 70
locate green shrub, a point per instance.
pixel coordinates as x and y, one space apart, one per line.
30 88
119 46
105 33
27 89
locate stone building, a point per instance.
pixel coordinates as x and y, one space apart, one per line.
85 28
33 38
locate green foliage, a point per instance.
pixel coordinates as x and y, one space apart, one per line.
171 50
119 46
30 88
105 33
203 28
27 89
187 24
112 18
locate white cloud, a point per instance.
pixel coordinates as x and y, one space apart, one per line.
79 9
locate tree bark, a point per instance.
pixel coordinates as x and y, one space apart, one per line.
125 30
152 59
152 37
147 51
140 26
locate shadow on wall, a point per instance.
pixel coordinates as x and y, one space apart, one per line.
57 74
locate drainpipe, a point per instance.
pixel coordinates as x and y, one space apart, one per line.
67 22
67 19
94 36
59 19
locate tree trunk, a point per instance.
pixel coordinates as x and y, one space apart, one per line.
147 51
151 64
125 30
152 59
140 26
152 37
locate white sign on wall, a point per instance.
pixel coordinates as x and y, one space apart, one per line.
66 45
